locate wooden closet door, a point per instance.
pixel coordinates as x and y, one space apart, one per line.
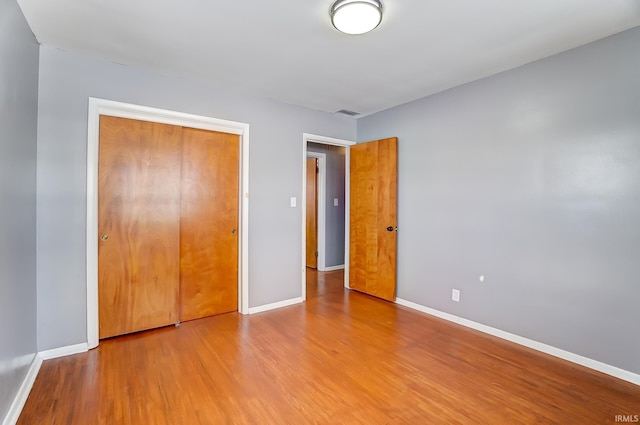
209 223
138 224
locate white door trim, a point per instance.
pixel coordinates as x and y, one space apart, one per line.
306 138
99 107
321 193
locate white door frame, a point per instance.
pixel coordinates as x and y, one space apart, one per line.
321 194
99 107
306 138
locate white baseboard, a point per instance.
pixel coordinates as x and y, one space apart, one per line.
272 306
625 375
23 392
30 378
332 268
64 351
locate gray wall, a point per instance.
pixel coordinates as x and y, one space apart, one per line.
334 217
18 124
531 178
66 82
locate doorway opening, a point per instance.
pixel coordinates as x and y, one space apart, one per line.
332 193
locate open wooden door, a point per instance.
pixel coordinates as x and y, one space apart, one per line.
373 216
312 213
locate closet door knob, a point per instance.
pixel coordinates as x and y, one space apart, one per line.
104 237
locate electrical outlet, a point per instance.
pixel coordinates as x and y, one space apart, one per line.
455 295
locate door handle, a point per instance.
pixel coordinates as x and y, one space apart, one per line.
233 231
390 229
104 237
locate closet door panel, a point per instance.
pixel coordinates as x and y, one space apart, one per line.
138 224
209 223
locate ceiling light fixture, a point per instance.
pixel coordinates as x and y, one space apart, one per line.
356 16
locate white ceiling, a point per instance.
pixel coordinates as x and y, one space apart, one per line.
288 50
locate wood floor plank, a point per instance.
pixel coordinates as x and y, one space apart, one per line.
341 357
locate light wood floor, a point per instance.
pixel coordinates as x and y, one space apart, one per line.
340 358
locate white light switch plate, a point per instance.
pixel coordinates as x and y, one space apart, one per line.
455 295
293 202
335 202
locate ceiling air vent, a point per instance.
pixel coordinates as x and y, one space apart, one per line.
348 112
